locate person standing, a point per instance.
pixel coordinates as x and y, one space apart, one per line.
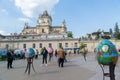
85 52
9 59
56 53
23 53
37 52
50 52
65 54
74 52
61 57
44 56
112 70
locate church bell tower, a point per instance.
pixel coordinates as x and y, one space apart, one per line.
45 19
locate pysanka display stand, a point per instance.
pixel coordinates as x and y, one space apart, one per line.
107 55
29 64
111 73
29 56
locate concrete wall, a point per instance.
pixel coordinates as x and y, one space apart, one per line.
18 44
91 45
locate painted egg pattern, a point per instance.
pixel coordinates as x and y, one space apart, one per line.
106 52
30 52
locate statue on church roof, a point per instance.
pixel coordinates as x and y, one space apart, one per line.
45 13
26 25
64 23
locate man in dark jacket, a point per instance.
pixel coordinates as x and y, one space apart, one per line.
9 59
44 53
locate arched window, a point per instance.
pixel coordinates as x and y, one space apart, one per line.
43 31
75 45
50 44
66 45
24 45
7 46
33 45
60 45
40 45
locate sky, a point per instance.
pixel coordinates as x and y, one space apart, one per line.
81 16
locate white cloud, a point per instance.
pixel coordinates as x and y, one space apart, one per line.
24 19
2 32
31 8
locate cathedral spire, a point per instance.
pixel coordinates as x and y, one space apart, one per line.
26 25
64 23
44 19
45 13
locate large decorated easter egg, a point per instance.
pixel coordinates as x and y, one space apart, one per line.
30 53
106 52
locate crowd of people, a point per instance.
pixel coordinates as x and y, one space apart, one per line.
60 53
47 55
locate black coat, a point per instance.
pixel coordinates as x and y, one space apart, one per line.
44 52
9 56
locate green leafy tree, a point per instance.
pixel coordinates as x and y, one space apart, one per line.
82 46
110 31
118 36
116 30
69 34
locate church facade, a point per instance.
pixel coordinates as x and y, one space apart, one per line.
44 34
44 27
41 35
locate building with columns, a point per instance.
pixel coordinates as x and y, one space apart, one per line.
44 26
41 35
45 34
